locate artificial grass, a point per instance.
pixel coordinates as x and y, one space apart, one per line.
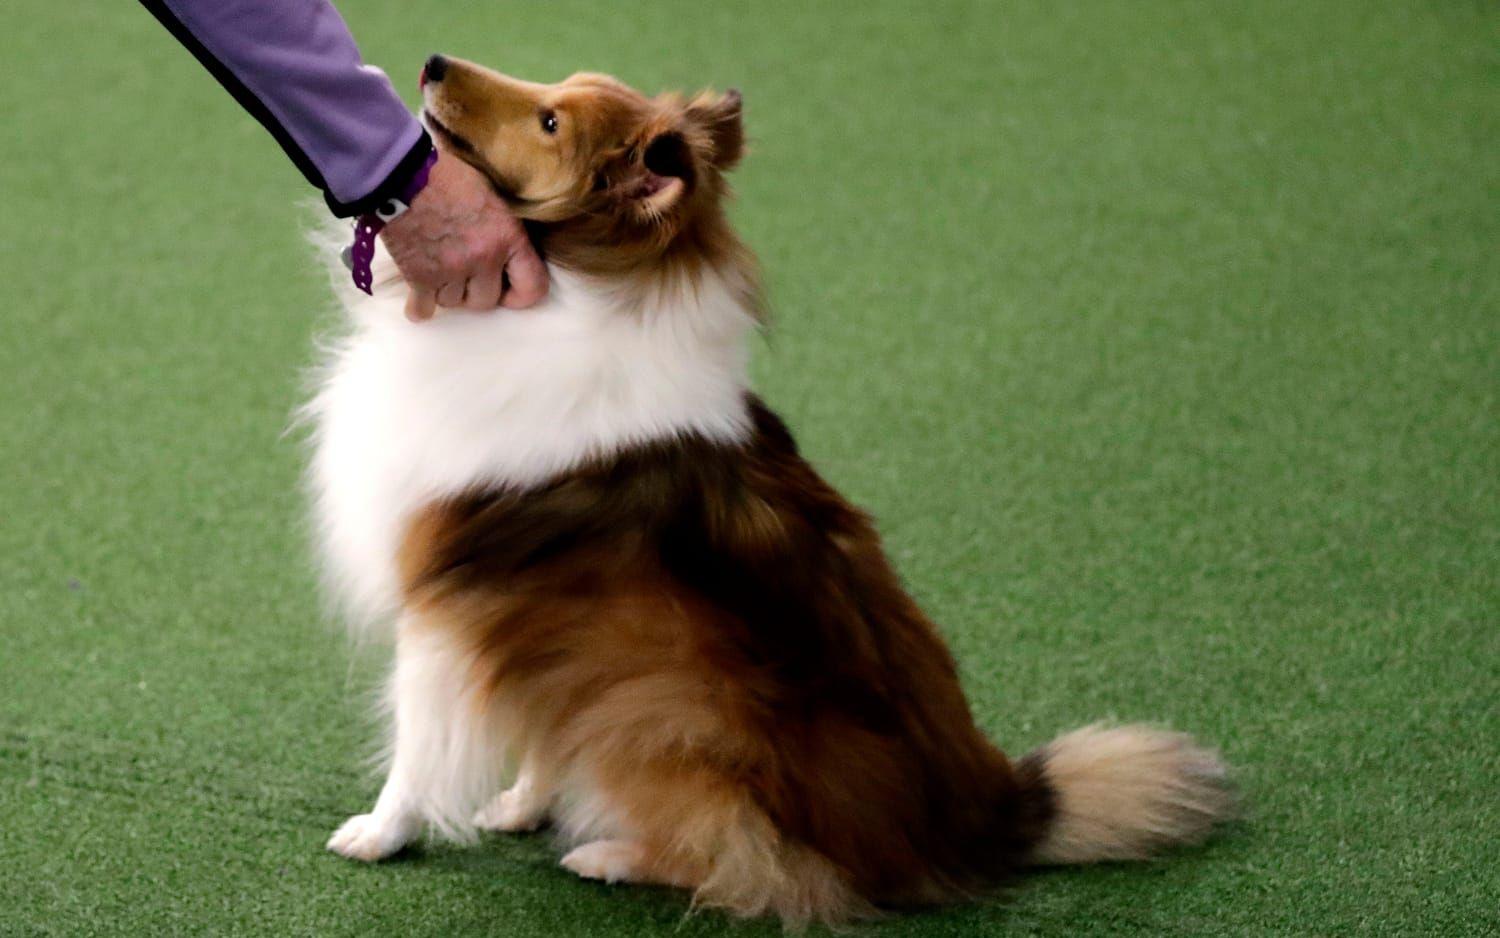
1163 339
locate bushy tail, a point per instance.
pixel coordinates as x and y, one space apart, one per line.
1125 793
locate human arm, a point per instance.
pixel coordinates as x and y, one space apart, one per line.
293 65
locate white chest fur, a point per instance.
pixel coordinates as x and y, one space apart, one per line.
406 413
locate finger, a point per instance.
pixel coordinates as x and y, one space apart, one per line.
528 278
451 294
483 292
420 304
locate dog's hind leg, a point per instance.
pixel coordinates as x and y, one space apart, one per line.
682 822
444 754
628 861
523 806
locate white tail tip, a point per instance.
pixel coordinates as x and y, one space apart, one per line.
1127 792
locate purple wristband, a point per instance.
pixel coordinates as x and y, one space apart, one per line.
361 253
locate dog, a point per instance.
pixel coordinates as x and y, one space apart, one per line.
610 571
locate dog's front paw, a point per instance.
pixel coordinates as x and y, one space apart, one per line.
369 837
512 812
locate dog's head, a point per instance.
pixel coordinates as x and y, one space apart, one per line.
589 154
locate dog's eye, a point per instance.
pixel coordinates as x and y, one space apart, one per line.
549 122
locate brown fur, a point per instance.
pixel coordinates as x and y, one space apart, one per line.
628 187
715 634
707 641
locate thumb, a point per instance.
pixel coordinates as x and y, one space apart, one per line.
527 275
421 303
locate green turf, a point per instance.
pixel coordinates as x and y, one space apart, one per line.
1162 338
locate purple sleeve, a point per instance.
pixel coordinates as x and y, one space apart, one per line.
293 65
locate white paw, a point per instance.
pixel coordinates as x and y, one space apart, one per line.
511 812
610 860
370 838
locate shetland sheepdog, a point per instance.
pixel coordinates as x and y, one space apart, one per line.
614 582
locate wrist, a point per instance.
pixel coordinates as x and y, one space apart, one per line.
361 254
389 187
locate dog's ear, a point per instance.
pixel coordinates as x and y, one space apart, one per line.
660 169
665 171
720 117
668 155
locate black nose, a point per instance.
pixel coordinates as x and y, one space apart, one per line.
435 69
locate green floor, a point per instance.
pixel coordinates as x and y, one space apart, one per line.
1162 338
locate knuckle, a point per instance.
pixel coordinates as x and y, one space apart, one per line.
453 256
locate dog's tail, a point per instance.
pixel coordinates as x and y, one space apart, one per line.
1122 793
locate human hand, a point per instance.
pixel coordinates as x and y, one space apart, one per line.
457 243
